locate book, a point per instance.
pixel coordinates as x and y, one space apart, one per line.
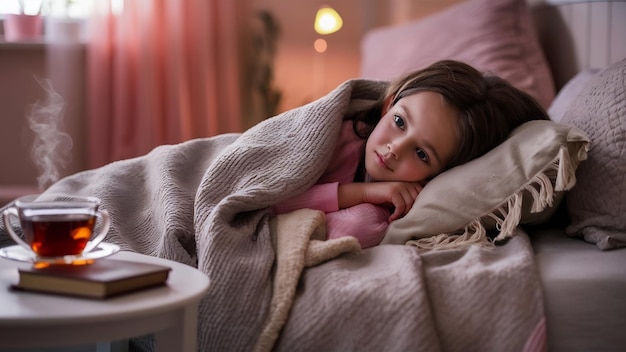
101 279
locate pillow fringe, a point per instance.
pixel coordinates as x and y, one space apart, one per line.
474 233
544 197
508 214
566 178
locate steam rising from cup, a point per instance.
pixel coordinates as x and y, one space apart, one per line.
52 147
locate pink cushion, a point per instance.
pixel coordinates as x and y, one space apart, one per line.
494 36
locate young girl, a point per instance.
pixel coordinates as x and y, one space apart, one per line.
427 122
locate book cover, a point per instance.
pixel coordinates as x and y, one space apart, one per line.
103 278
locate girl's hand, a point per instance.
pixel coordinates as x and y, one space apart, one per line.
399 196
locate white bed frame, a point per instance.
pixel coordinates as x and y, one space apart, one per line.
578 35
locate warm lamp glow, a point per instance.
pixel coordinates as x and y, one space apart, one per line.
327 20
320 45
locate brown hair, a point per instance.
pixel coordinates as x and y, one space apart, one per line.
489 106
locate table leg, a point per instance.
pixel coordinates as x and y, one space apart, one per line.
182 335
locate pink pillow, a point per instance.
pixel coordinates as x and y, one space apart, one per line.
495 36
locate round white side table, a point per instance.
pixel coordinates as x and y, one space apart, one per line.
43 320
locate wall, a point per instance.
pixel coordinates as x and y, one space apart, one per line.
304 75
21 65
18 90
301 73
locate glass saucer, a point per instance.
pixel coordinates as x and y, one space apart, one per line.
22 254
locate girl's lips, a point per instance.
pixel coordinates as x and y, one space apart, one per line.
382 162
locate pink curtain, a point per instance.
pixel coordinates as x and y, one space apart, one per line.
161 72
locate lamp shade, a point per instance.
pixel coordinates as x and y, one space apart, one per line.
327 20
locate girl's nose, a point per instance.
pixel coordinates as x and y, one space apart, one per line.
397 147
392 148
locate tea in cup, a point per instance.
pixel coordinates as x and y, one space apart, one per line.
57 225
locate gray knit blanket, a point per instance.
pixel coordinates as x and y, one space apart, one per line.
274 283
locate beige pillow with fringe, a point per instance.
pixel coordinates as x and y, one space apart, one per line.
520 181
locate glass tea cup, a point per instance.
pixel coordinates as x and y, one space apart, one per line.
56 226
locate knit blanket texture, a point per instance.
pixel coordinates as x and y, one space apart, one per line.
275 284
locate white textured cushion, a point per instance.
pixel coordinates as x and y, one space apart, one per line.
495 36
597 205
520 181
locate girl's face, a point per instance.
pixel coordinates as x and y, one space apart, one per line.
414 139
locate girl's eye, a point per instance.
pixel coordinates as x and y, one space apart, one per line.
421 154
398 121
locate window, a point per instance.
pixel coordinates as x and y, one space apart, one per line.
73 8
